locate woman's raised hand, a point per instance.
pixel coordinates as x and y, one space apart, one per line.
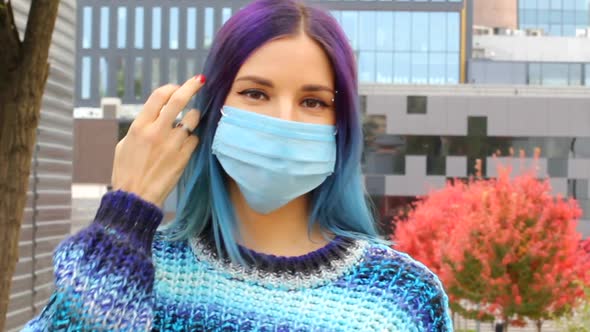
150 159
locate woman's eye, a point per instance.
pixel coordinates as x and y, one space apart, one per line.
314 103
254 94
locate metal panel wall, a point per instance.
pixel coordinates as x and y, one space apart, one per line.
47 212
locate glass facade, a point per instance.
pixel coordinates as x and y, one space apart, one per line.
413 46
555 17
558 74
404 47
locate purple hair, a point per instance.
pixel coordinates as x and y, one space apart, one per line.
339 204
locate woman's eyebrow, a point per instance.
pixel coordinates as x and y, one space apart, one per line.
257 80
317 87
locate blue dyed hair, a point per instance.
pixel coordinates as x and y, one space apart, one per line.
339 204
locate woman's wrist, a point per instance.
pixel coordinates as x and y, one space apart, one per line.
129 215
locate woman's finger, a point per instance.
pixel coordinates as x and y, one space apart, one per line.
191 120
151 108
178 101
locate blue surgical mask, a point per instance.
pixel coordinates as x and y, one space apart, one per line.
273 161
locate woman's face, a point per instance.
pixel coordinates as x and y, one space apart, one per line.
289 78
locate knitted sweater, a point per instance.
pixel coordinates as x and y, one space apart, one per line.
121 274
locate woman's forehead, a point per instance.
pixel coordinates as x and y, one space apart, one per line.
292 57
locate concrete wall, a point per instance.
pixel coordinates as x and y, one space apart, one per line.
94 148
496 13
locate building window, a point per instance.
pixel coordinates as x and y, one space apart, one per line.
555 17
87 27
384 69
120 77
138 78
225 14
138 42
103 72
173 33
155 73
121 27
534 74
156 28
416 105
173 71
424 46
191 28
86 77
191 66
209 27
104 27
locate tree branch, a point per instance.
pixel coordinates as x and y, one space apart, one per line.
40 24
10 41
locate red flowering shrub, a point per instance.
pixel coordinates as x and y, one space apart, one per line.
504 243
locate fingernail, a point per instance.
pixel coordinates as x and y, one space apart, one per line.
203 79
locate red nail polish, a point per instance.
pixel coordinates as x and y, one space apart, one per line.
203 79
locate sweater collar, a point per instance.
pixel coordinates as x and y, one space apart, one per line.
310 270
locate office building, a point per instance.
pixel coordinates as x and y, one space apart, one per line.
126 49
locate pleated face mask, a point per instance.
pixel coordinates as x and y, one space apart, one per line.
273 161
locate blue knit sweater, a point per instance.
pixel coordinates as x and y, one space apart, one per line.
121 274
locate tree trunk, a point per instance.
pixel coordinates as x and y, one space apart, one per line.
23 73
539 324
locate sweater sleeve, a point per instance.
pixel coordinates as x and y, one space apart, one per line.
104 274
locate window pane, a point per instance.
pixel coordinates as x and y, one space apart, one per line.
104 27
438 31
209 25
367 66
453 32
155 73
420 32
156 28
534 74
401 68
575 74
384 68
225 14
87 27
587 75
191 28
191 66
138 28
384 31
416 104
350 26
453 71
103 71
120 77
402 31
543 4
436 68
138 78
86 79
419 68
173 32
173 71
121 27
556 4
528 4
555 74
367 30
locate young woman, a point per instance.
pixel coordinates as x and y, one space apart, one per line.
272 232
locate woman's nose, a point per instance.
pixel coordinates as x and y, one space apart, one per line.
287 111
